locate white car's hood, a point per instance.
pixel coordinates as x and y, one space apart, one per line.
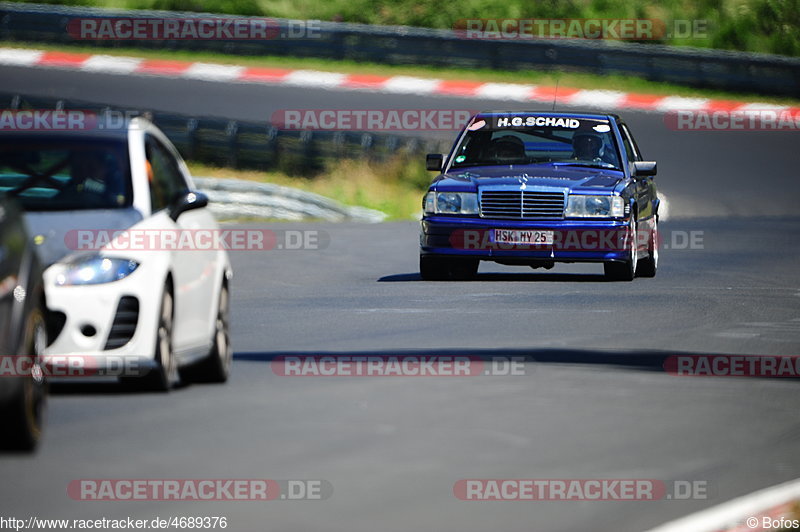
50 230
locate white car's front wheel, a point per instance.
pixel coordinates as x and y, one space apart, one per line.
216 367
165 373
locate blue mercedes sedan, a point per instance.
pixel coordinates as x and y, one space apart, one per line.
533 189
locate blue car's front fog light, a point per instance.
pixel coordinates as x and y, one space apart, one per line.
96 270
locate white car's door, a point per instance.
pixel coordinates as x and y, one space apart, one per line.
196 271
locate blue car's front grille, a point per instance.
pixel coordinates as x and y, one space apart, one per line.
522 204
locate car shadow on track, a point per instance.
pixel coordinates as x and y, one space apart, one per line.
106 387
507 277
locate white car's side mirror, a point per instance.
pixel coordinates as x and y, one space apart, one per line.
186 202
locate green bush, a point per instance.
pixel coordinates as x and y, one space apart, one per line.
230 7
771 26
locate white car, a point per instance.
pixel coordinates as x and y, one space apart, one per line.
105 207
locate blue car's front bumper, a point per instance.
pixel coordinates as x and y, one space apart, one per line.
573 240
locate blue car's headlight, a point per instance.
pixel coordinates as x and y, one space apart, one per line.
96 270
585 206
451 203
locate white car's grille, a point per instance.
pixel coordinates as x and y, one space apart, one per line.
125 322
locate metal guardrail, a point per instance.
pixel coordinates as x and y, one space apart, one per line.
252 145
235 198
259 146
762 73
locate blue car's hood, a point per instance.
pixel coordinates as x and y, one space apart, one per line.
570 177
51 228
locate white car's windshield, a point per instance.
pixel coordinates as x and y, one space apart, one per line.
65 174
524 140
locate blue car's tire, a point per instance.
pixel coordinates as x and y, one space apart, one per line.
444 269
464 270
625 270
648 266
433 268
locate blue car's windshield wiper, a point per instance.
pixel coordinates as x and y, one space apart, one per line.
588 165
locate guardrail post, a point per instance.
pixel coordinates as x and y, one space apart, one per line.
309 162
191 131
231 132
271 150
367 142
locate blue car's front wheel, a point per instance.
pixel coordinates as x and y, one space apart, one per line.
433 268
649 265
625 270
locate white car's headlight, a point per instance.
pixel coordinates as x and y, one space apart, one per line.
585 206
451 203
96 270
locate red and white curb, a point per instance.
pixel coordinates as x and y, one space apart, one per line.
602 99
745 514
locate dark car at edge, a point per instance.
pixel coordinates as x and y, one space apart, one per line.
23 334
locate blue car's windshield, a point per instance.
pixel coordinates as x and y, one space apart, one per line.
528 139
65 174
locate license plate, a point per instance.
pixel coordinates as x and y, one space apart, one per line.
522 236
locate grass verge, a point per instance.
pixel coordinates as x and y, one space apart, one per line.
748 25
395 187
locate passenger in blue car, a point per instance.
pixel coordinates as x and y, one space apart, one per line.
587 146
507 149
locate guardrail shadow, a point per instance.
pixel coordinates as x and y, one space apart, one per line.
656 361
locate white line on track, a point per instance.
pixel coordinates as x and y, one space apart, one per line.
14 56
211 72
505 91
114 64
732 513
410 85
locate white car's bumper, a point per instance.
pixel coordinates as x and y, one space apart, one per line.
97 332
